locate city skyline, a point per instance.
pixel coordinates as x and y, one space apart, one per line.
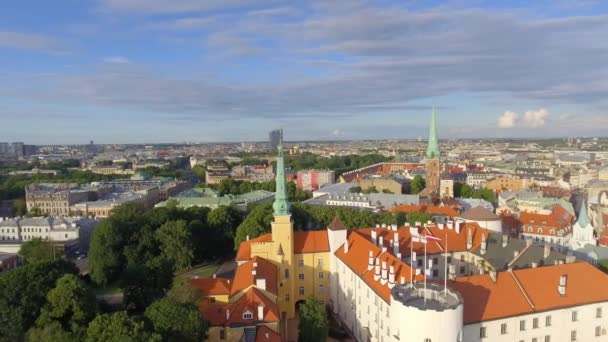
159 71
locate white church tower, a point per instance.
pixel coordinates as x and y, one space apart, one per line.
582 231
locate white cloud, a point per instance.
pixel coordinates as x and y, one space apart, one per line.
337 133
27 41
507 120
535 118
116 60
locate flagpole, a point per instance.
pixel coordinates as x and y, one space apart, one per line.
425 267
412 260
445 280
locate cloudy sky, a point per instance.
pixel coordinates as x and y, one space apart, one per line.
230 70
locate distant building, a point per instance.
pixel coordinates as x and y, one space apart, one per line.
9 261
217 171
394 185
377 201
432 162
507 183
603 174
56 198
198 197
554 229
312 180
275 138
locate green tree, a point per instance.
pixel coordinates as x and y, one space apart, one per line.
314 324
355 190
71 304
418 184
176 243
52 332
105 252
255 224
176 321
38 251
20 207
387 191
414 217
200 172
118 327
144 283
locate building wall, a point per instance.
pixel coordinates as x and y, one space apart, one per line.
433 168
507 184
311 266
559 331
233 334
382 184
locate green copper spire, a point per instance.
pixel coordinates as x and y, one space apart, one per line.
583 217
432 151
281 204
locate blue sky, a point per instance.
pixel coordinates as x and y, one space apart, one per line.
128 71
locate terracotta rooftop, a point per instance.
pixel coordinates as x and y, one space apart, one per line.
265 334
313 241
244 251
429 209
337 224
244 278
530 290
558 220
211 286
479 214
228 314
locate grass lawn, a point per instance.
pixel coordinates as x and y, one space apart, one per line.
203 271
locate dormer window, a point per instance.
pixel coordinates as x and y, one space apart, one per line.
544 222
531 221
247 315
540 230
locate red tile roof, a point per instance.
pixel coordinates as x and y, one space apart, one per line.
211 286
314 241
430 209
530 290
244 251
265 334
243 277
558 220
227 314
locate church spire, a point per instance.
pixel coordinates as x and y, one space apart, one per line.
432 151
583 217
281 204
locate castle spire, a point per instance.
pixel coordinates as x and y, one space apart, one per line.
281 204
432 151
583 217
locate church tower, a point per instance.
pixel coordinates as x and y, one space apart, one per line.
283 238
433 165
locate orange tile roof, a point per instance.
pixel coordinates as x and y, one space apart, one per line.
244 251
228 314
265 334
314 241
558 220
429 209
211 286
530 290
243 277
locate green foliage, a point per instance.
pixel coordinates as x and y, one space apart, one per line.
387 191
355 190
22 294
176 243
418 184
414 217
52 332
176 321
339 164
37 251
314 324
71 304
146 282
237 187
118 327
465 191
200 172
105 257
20 207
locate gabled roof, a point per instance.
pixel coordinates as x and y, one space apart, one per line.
211 286
244 278
336 224
479 214
558 219
265 334
429 209
244 251
228 314
313 241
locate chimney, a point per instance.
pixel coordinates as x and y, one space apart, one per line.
396 244
469 237
247 237
484 244
377 272
418 224
391 277
457 227
399 256
260 313
402 280
440 226
381 242
529 242
261 284
255 265
493 276
227 314
563 280
534 264
374 236
546 251
346 247
370 263
384 273
384 225
394 226
214 275
505 240
253 273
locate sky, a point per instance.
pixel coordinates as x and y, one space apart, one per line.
143 71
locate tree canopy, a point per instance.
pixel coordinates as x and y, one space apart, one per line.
314 324
118 326
176 321
38 251
417 184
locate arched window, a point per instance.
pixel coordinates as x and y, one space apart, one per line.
539 230
247 315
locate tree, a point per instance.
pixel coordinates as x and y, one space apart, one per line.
52 332
118 326
421 217
38 251
145 283
20 207
71 304
387 191
35 212
176 243
23 292
176 321
355 190
255 224
314 324
418 184
105 252
200 172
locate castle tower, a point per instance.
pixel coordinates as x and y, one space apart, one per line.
283 236
433 165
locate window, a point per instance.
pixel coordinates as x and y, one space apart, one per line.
287 297
574 316
435 261
301 276
435 273
535 323
503 329
462 258
301 290
286 274
321 275
247 315
534 339
547 338
548 321
598 331
320 262
482 332
522 325
573 335
427 340
449 260
462 269
300 263
598 313
222 334
419 262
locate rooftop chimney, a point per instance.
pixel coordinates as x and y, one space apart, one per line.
505 240
391 276
346 247
546 251
402 280
260 313
376 272
394 227
493 276
484 244
214 275
469 237
374 236
261 284
227 314
253 273
370 263
457 227
561 288
247 237
255 264
384 273
381 242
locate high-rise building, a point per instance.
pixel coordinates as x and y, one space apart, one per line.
18 148
312 180
3 147
433 165
275 138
